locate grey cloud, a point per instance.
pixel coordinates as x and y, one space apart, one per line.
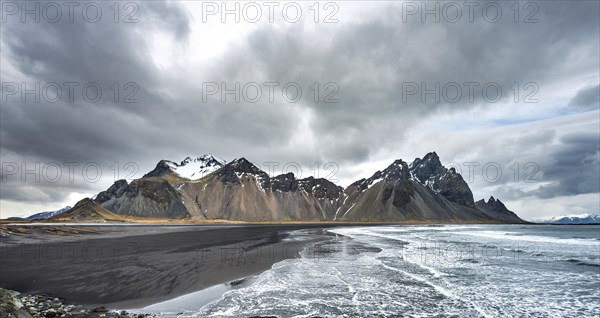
575 168
536 159
586 97
170 16
369 60
104 53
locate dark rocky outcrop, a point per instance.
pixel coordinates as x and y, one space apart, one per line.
238 168
321 188
429 166
115 190
16 305
284 183
447 182
11 305
145 197
162 168
497 210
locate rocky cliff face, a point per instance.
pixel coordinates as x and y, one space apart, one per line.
205 188
155 195
497 210
145 197
405 192
447 182
235 191
241 191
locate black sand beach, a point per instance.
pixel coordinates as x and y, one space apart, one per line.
123 267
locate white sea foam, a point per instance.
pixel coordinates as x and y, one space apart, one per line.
499 235
379 272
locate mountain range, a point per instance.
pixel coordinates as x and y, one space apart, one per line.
43 215
207 188
573 219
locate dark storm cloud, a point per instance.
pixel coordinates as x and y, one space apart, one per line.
102 53
586 97
165 121
368 59
575 168
77 131
570 168
544 159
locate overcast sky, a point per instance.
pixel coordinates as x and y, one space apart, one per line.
518 94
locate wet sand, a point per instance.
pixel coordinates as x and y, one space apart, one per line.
134 266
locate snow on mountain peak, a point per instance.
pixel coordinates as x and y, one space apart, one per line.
196 168
586 218
48 214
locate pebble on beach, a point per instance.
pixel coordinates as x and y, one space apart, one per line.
16 305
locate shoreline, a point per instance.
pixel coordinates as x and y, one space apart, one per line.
189 222
23 305
132 270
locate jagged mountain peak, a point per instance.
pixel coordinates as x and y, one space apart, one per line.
207 159
429 166
243 165
497 210
192 168
398 162
196 168
398 170
493 203
114 190
162 167
430 157
320 188
286 176
430 172
284 182
241 161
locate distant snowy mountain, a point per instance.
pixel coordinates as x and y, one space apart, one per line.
47 214
573 219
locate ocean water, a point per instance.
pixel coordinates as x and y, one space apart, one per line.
425 271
